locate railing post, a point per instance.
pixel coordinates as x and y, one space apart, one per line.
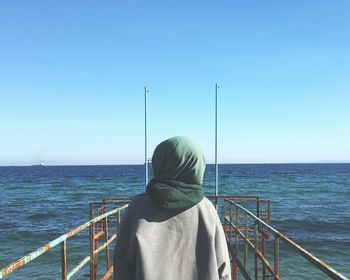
230 233
119 219
246 242
263 242
256 245
64 259
268 220
235 264
225 216
105 229
92 244
230 242
276 256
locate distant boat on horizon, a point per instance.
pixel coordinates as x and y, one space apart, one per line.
40 164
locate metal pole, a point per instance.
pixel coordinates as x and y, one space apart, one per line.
92 244
216 146
64 259
146 162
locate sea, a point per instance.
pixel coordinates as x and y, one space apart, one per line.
310 205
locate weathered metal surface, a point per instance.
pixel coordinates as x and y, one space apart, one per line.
276 256
108 274
16 265
99 234
64 259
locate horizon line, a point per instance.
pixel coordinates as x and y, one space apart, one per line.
211 163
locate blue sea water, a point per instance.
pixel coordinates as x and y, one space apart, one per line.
310 204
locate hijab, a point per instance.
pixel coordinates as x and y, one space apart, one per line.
178 169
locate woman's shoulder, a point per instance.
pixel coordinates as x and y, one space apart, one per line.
139 198
207 208
205 202
138 201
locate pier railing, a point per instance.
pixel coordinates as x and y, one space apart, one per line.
246 221
247 231
103 224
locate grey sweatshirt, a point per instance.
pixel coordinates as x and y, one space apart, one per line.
154 244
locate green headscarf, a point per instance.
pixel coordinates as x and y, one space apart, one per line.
178 169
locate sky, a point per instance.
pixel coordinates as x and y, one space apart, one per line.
72 78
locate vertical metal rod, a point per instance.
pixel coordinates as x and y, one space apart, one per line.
106 234
225 210
263 243
98 227
216 147
256 249
231 222
95 259
230 243
246 241
105 229
225 215
276 256
236 245
268 220
146 161
64 259
92 245
118 220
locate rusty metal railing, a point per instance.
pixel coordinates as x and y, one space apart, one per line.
246 222
98 229
250 231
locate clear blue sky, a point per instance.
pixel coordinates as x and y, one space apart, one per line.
72 75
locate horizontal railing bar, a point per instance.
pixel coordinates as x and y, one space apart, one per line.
110 202
107 214
98 235
233 196
252 200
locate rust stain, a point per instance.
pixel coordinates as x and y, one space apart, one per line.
108 274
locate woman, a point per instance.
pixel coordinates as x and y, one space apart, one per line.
172 231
